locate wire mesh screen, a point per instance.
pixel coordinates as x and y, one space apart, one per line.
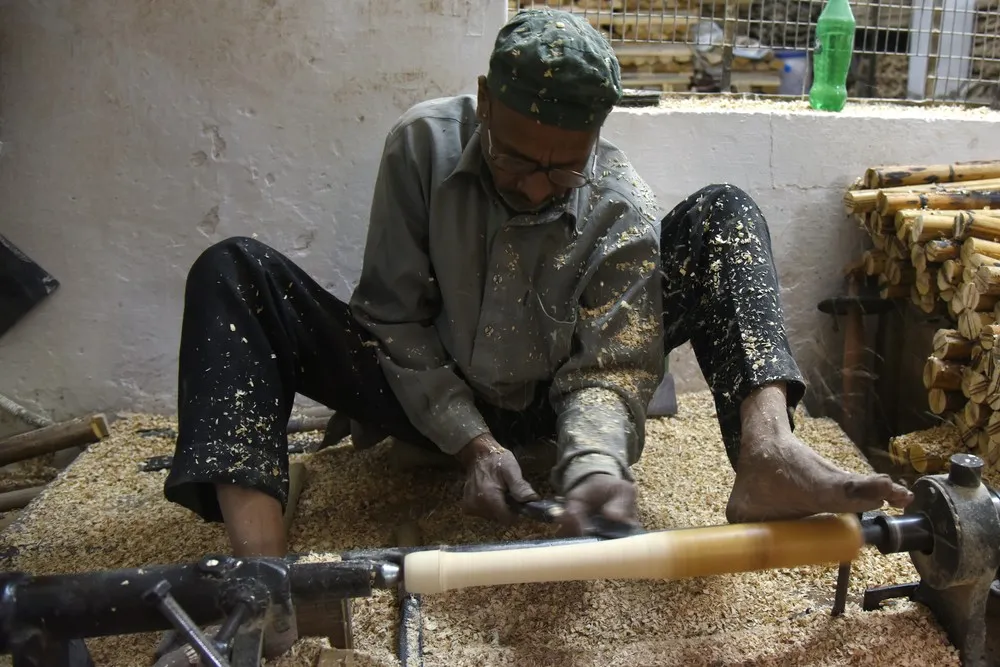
904 49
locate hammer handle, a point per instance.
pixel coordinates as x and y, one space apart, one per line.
671 554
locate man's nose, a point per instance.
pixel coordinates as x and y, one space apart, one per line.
537 188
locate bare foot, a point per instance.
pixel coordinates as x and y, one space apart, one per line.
780 477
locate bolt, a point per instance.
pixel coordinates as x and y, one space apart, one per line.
966 470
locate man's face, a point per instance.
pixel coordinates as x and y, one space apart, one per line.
532 165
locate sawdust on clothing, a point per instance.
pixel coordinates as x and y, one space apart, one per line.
103 513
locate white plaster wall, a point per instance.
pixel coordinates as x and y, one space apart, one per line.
135 134
796 164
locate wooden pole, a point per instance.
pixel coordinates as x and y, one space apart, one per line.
875 261
931 226
940 250
977 224
864 201
941 402
887 203
15 500
73 433
949 345
940 374
895 176
663 555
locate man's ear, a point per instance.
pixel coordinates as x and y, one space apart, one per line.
482 98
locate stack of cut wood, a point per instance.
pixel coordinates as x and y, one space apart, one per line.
936 236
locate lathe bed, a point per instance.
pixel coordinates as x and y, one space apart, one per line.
104 513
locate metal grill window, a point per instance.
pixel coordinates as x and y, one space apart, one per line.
922 50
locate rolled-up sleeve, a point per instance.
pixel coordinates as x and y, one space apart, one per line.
397 299
602 392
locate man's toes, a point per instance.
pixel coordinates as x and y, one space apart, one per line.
876 489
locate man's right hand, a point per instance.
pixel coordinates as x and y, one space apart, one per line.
491 472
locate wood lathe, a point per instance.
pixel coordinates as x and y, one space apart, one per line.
951 532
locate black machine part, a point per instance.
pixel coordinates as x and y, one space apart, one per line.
952 533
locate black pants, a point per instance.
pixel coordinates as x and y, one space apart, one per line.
721 292
257 331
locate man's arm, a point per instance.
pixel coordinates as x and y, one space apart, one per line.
602 392
397 299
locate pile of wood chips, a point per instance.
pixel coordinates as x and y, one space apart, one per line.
104 513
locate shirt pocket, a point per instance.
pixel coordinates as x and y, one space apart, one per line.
558 326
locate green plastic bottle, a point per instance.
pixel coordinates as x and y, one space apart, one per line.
832 56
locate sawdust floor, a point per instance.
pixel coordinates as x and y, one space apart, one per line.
103 513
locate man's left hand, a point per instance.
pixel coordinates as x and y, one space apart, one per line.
598 495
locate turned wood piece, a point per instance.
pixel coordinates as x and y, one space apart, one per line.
662 555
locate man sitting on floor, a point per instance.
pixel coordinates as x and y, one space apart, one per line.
518 284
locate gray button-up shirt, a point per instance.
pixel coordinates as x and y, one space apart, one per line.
572 296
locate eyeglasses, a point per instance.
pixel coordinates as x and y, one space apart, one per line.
561 176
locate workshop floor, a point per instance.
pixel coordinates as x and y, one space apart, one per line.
104 513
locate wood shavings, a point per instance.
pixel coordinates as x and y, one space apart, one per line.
103 513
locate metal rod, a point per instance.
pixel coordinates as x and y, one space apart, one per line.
99 604
228 630
410 643
159 596
843 582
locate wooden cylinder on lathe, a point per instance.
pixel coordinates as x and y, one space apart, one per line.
663 555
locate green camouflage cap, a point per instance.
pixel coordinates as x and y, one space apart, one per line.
555 67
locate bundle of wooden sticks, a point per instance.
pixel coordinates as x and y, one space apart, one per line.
936 236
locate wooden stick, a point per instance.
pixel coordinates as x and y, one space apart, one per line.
901 273
940 401
940 374
941 280
971 323
949 345
880 242
894 176
976 300
946 294
923 461
989 250
939 250
966 434
952 269
976 224
988 336
15 500
887 203
296 481
930 226
73 433
896 249
987 280
929 302
863 201
875 261
918 257
925 282
976 415
664 555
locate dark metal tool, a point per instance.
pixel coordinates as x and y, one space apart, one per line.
549 511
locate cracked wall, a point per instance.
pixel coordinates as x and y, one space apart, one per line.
136 135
